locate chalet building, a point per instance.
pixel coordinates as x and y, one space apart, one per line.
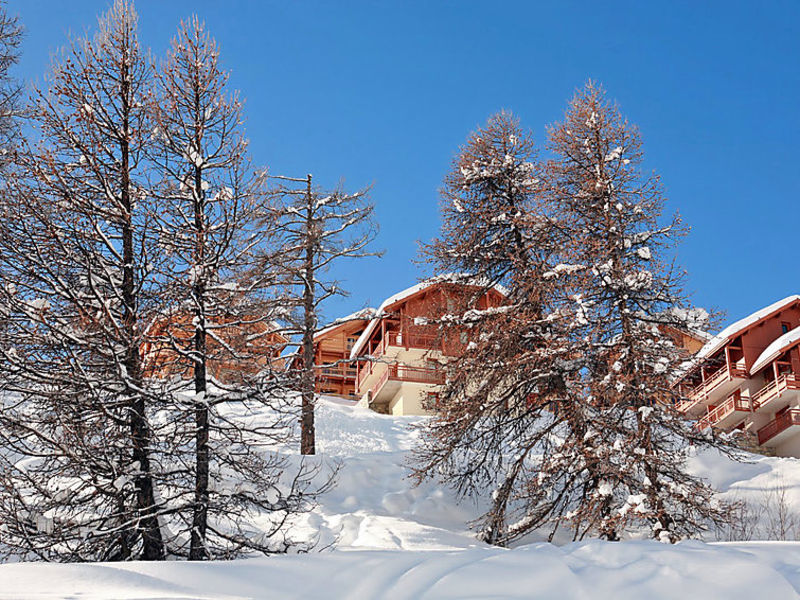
399 354
244 346
747 377
335 372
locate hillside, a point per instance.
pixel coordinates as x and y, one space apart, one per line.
393 540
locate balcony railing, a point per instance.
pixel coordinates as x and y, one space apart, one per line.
413 339
781 423
734 403
410 374
787 381
720 376
341 370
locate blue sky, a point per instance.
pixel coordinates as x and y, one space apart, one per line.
383 93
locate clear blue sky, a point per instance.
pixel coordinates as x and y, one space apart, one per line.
383 93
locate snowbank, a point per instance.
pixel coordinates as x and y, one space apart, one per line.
628 570
394 540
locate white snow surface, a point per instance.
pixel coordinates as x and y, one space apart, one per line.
590 570
381 537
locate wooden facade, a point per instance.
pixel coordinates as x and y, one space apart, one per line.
335 371
748 378
399 355
239 347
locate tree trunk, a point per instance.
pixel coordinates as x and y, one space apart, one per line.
307 383
197 550
152 542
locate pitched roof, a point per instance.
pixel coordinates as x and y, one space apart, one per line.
775 349
733 330
407 293
360 315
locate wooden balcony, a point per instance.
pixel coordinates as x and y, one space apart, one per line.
776 431
413 339
777 394
726 414
721 382
394 375
341 370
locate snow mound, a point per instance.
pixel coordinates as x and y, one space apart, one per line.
392 540
628 570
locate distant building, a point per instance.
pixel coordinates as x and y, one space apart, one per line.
335 372
747 377
240 346
399 355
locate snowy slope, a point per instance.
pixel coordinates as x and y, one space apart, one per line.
393 540
374 504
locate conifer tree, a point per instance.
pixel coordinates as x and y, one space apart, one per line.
10 90
493 430
561 408
635 445
75 265
314 229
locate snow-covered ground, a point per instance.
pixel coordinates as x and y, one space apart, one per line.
394 540
590 570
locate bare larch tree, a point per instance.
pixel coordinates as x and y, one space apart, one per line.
315 229
635 446
220 329
74 271
493 425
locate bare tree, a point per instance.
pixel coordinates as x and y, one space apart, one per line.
494 429
562 404
74 272
220 330
10 90
315 229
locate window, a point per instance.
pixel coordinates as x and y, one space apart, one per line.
351 341
784 327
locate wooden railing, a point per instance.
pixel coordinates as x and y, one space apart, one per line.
781 423
413 339
379 384
717 378
411 374
787 381
734 403
341 370
416 374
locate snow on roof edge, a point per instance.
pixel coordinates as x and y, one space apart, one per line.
360 315
425 283
775 349
719 340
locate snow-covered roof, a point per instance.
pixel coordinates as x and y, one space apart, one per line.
447 277
360 315
731 331
775 349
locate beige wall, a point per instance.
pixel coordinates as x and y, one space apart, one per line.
409 398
